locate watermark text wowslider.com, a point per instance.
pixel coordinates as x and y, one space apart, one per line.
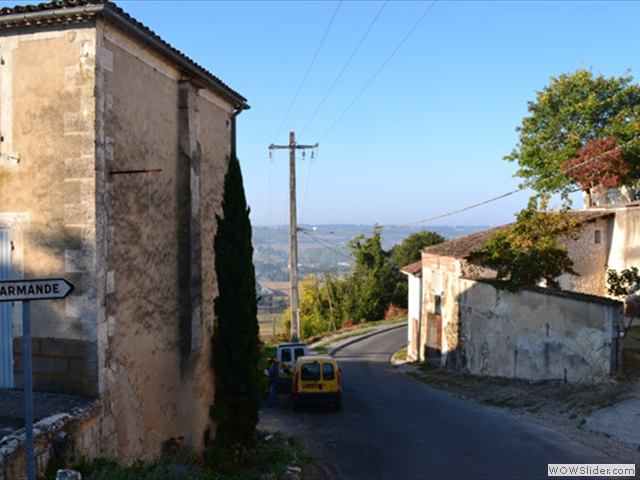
591 469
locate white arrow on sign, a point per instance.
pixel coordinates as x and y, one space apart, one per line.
34 289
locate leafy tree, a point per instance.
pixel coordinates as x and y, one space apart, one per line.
529 250
371 287
599 166
408 251
235 340
626 286
317 313
624 283
569 113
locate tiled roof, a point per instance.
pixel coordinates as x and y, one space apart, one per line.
62 12
414 268
463 246
460 247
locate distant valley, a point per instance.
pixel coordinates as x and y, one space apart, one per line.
323 248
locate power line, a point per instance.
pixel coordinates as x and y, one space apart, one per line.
306 188
304 79
384 64
344 67
470 207
317 240
430 219
270 237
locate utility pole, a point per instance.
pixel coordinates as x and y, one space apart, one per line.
293 232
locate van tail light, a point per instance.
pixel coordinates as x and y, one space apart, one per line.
338 377
295 385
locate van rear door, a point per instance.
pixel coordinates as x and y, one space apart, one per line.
317 377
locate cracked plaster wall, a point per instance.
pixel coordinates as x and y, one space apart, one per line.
46 166
537 336
589 252
149 390
529 334
92 101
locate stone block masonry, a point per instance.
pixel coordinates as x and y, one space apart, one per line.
66 437
59 366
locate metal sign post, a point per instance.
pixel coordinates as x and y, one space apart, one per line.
25 291
28 387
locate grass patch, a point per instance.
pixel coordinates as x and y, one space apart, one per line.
427 367
271 325
401 354
355 333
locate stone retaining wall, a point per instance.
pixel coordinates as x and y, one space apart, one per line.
64 436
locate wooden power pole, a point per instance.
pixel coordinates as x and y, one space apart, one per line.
293 233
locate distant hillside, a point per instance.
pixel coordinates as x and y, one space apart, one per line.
324 247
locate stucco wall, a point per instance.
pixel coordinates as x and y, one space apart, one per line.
414 315
439 335
535 335
119 178
590 253
625 243
48 182
159 229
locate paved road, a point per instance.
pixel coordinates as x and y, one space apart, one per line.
394 427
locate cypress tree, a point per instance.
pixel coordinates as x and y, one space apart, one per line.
235 340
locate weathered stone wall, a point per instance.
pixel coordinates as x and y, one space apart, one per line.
47 170
589 252
537 334
59 365
439 316
414 316
65 437
163 157
112 170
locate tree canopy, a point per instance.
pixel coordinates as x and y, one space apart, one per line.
599 166
408 251
529 250
572 111
371 287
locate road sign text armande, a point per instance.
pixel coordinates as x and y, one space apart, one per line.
30 289
34 289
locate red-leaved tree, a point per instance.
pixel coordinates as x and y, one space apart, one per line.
599 166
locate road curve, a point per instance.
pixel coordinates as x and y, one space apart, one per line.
393 427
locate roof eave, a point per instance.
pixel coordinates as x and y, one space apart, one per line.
85 13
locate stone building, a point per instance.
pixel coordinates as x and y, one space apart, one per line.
113 152
536 333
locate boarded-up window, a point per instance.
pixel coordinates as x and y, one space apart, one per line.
437 282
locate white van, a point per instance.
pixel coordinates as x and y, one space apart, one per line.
287 354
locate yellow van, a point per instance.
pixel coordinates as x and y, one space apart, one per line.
316 379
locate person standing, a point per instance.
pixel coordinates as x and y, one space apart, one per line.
274 374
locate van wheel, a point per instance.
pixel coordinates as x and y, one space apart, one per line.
338 406
296 407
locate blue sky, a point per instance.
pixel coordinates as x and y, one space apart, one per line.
424 111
